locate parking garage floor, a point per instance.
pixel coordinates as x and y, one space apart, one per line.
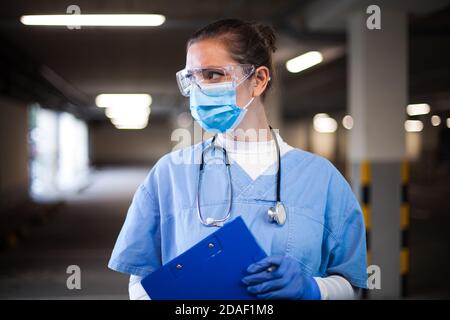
82 233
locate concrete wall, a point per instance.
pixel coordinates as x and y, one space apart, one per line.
110 146
14 152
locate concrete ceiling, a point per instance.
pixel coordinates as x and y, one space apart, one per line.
332 14
97 60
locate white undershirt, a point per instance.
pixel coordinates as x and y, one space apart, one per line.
136 290
255 158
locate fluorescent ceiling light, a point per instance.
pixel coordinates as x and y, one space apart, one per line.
323 123
435 120
107 20
126 112
304 61
112 100
119 121
130 118
417 109
413 125
130 123
347 122
131 127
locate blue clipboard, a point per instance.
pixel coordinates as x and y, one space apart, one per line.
210 270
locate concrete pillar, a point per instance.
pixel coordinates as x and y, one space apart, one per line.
377 97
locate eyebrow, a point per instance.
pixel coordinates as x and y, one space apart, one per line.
206 67
214 67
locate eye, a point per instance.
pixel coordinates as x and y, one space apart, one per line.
213 74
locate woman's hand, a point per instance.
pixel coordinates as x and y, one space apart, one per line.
284 280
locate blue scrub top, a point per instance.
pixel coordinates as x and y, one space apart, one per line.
324 230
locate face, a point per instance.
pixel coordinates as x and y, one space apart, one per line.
213 53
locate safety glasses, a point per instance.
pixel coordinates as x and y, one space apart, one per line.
202 77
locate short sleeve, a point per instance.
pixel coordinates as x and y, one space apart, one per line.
138 247
349 256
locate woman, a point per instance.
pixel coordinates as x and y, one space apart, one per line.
298 206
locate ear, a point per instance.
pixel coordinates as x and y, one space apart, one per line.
262 78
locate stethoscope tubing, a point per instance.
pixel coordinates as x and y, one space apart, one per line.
219 222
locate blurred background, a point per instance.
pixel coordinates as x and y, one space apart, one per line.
367 87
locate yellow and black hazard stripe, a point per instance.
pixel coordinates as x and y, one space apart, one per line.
404 227
365 185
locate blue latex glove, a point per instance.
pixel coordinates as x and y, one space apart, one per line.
286 281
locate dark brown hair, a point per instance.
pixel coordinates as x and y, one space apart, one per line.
248 42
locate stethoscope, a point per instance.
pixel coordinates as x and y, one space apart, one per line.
276 214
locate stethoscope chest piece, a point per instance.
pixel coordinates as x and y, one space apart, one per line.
277 214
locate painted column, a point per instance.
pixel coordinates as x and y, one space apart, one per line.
377 99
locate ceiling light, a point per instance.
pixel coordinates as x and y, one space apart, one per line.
347 122
417 109
111 100
413 125
323 123
106 20
127 112
435 120
135 121
304 61
131 126
130 123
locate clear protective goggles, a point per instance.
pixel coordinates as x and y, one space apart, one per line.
204 77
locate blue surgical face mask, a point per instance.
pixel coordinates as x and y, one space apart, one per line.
214 107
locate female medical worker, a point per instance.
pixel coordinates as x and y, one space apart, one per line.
298 206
